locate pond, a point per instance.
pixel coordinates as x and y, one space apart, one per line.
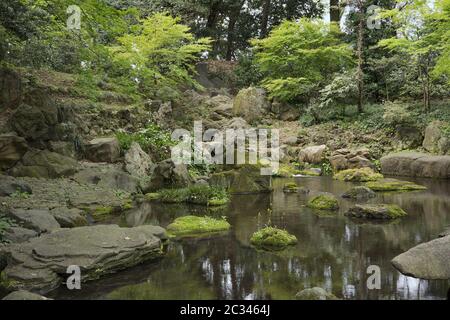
333 251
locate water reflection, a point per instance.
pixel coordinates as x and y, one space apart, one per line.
333 252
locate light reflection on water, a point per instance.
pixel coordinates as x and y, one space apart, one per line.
332 252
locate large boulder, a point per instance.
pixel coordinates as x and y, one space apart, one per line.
344 159
313 154
430 260
251 104
69 218
10 185
12 149
10 88
414 164
45 164
167 175
103 150
359 192
137 162
435 140
109 178
41 263
376 211
40 221
246 179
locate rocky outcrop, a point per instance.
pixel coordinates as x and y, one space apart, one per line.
45 164
414 164
12 149
10 185
10 88
430 260
167 174
18 234
103 150
313 154
40 221
245 179
251 104
137 162
344 159
40 264
24 295
435 140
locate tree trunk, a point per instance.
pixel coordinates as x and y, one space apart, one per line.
265 18
335 14
360 46
233 16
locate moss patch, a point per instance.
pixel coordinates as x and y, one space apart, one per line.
376 211
193 225
152 196
272 239
324 202
100 213
358 175
290 187
393 185
287 171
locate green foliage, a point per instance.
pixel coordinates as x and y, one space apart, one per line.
152 140
247 72
160 52
272 239
193 225
5 223
297 56
397 113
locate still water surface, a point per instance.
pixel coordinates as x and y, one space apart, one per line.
333 252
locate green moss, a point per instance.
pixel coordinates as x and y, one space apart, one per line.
102 212
309 172
202 195
376 211
152 196
358 175
193 225
271 239
128 205
7 283
393 185
324 202
287 171
290 187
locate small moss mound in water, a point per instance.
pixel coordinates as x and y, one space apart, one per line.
199 194
386 185
324 202
271 238
358 175
376 211
193 225
290 187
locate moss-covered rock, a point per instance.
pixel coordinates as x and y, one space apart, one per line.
358 175
324 201
359 192
290 187
386 185
245 179
197 194
193 225
376 211
286 171
272 239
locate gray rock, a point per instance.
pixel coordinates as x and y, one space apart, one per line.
38 220
430 260
39 264
45 164
414 164
251 104
18 234
435 140
12 149
63 147
376 211
103 150
313 154
343 159
137 162
169 175
315 293
69 218
359 192
24 295
10 185
237 123
246 179
108 177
